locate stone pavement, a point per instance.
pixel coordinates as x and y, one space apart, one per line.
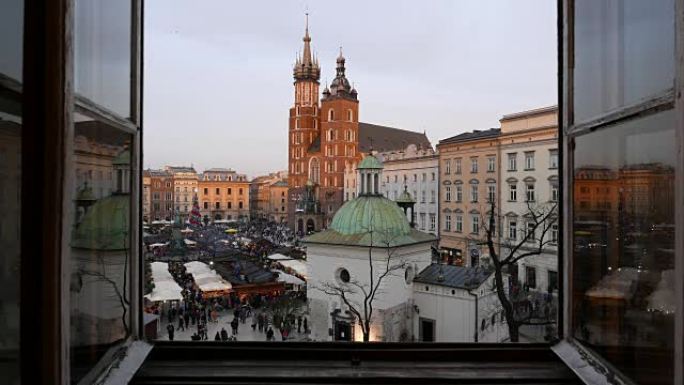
245 332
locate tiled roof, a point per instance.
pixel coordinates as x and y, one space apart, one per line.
474 135
453 276
389 138
180 169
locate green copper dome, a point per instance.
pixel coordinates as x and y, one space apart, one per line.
366 213
370 162
105 226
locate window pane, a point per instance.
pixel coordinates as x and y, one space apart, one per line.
624 52
11 40
102 47
624 253
100 242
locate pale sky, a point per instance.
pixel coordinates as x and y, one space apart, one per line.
218 74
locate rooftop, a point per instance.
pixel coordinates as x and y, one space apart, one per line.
474 135
453 276
383 138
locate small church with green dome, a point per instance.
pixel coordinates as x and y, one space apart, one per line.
368 237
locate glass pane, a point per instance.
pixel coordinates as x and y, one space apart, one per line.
11 40
100 242
624 52
623 282
103 53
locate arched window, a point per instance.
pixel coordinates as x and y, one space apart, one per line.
314 170
350 115
331 114
347 135
331 135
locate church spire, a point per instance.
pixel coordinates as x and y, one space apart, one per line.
306 67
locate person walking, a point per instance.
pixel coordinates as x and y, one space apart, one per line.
217 337
170 329
234 324
186 317
181 325
299 324
224 334
260 322
269 334
306 326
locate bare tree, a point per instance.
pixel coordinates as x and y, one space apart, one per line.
506 252
359 295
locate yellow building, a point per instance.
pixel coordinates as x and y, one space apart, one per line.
469 171
277 202
223 195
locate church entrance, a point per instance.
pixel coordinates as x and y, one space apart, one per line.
343 331
310 226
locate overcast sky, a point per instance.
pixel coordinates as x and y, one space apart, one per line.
218 74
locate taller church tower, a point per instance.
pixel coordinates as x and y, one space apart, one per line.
303 125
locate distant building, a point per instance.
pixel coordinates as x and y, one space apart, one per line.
223 194
469 174
416 171
326 138
260 194
147 196
161 195
184 187
529 179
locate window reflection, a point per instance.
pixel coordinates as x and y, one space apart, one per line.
616 42
102 50
623 267
100 242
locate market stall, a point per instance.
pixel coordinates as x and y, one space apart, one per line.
295 283
207 280
295 267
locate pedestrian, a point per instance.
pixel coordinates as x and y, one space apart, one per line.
260 322
234 324
214 315
186 317
299 324
269 334
181 326
217 337
224 334
284 333
170 329
306 326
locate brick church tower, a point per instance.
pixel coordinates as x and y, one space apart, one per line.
322 140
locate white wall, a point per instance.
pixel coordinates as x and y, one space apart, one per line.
453 311
324 262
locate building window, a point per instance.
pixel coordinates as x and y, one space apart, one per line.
491 164
395 178
459 223
512 161
230 191
529 160
475 224
422 196
554 233
432 222
473 193
433 176
458 165
240 191
447 166
473 165
331 115
447 194
422 221
512 192
459 193
530 277
230 205
206 191
218 205
529 193
512 230
432 196
169 196
218 191
240 204
531 233
206 205
447 222
553 281
350 115
553 159
491 193
424 177
554 193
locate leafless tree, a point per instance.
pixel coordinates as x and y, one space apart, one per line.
368 290
505 253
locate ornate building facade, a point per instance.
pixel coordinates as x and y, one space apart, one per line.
325 138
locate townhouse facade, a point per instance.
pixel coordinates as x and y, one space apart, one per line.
161 195
529 183
468 180
223 194
184 188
